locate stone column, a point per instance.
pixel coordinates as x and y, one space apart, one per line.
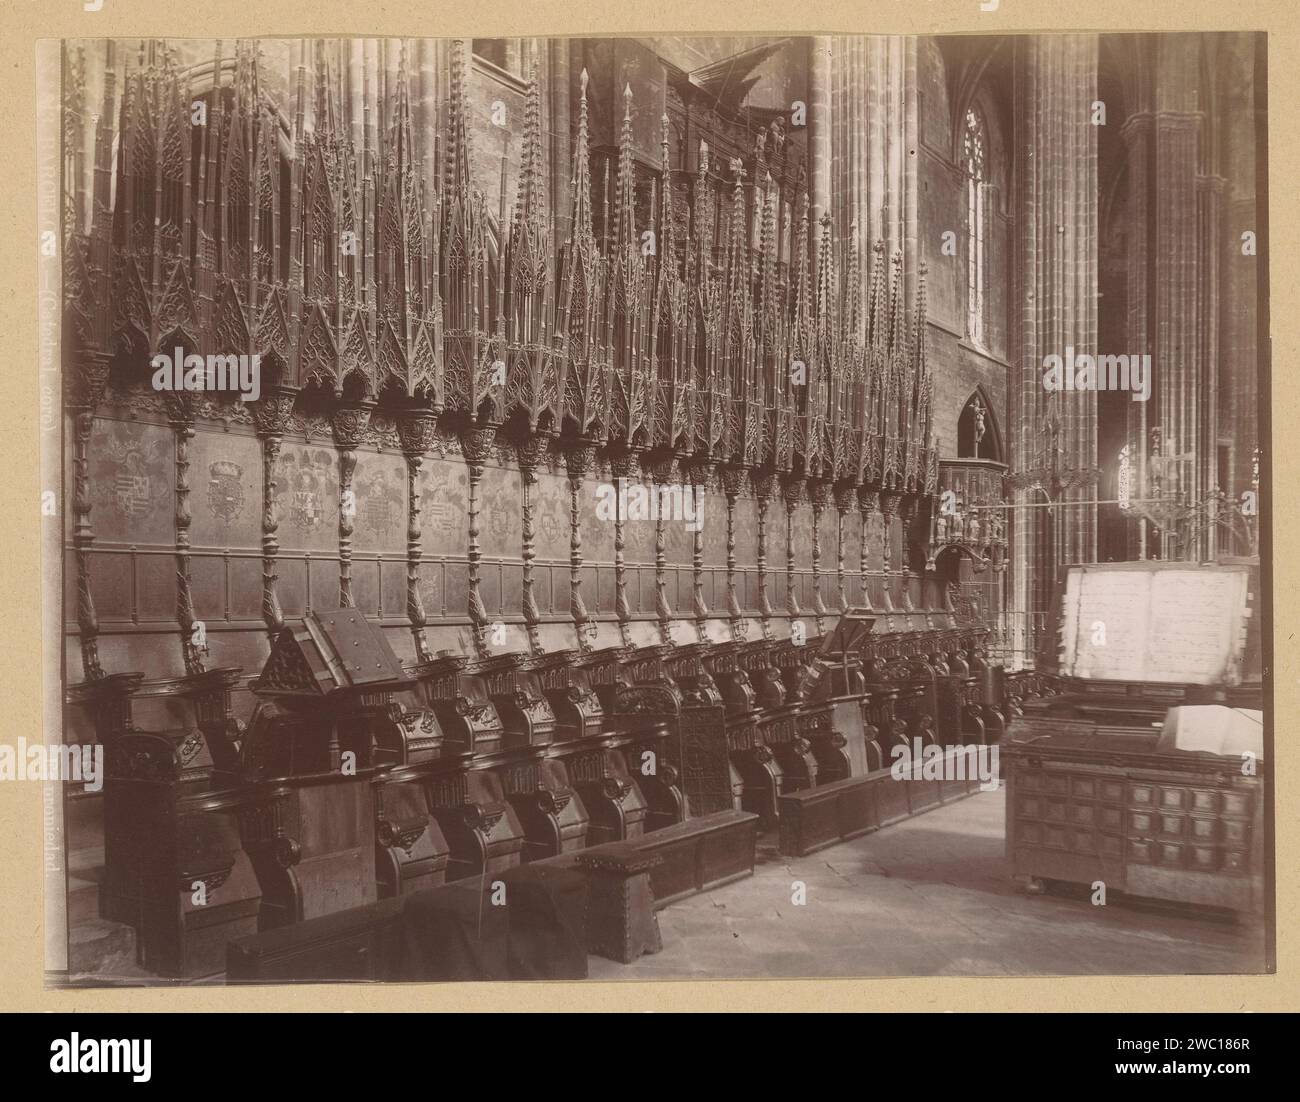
560 150
820 117
1176 213
1054 437
874 108
431 56
1137 137
1209 204
1238 418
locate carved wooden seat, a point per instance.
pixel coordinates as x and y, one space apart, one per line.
334 765
174 866
411 851
600 754
464 802
641 705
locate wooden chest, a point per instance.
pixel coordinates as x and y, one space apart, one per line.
1088 803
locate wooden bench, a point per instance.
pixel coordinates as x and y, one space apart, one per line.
627 882
359 944
630 880
815 818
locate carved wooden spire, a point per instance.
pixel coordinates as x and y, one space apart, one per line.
459 153
628 305
530 205
581 312
625 190
534 378
471 355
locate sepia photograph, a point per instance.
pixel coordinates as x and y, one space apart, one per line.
625 508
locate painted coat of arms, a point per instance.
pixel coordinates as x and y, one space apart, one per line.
383 505
135 475
306 477
225 490
442 507
551 515
501 508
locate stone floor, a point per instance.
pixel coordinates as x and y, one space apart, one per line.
928 896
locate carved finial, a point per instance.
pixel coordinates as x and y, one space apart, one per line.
625 212
582 213
853 286
667 221
458 137
825 278
531 201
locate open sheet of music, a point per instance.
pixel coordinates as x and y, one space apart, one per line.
1146 622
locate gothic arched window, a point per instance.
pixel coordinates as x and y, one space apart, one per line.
974 151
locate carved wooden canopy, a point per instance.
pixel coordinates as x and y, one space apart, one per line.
333 252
